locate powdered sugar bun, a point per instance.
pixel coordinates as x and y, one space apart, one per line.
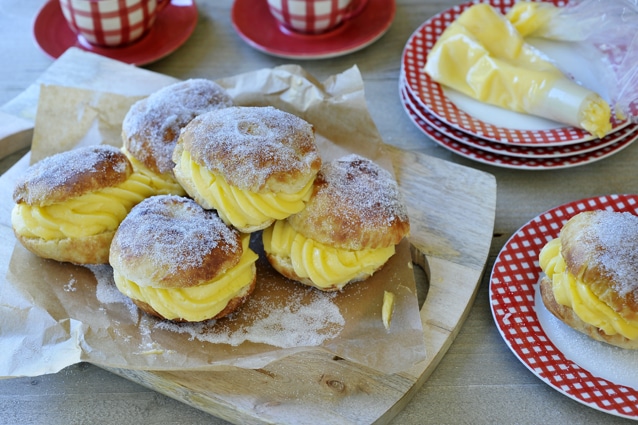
52 217
355 205
152 125
171 245
347 231
600 249
257 149
71 174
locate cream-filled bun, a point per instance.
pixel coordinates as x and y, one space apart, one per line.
348 229
152 126
69 205
254 165
591 276
180 262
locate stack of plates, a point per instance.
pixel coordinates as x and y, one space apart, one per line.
493 135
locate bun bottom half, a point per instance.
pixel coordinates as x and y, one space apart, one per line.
569 317
232 305
284 266
83 250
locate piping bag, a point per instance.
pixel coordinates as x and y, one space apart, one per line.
485 55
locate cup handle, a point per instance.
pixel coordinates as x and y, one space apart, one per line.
161 5
360 5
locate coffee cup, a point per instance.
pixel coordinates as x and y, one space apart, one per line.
111 23
314 16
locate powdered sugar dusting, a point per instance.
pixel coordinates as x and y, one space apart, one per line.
168 235
106 292
617 234
252 147
71 172
307 320
356 180
153 125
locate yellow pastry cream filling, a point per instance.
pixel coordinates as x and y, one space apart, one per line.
200 302
86 215
164 184
240 208
482 55
326 266
570 291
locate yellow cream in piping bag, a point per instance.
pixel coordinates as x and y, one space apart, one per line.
483 56
570 291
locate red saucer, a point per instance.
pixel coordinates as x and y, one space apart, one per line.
254 23
172 28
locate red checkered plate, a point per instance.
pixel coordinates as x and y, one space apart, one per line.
478 119
515 150
507 161
593 373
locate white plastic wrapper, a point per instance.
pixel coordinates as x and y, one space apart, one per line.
606 31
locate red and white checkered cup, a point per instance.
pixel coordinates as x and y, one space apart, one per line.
111 23
314 16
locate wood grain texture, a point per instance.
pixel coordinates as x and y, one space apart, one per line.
452 211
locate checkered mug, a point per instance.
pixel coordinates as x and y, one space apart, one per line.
314 16
111 23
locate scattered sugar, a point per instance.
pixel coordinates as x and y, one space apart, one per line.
602 360
70 286
300 323
107 293
249 146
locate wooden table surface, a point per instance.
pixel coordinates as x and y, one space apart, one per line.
478 381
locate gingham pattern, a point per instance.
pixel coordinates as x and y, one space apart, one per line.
110 22
431 95
506 161
512 288
310 16
516 150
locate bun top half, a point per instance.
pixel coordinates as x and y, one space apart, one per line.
601 248
152 125
258 149
168 241
70 174
355 205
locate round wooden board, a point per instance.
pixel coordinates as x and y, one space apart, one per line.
452 212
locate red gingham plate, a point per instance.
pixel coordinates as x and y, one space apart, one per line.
507 161
515 150
513 290
431 95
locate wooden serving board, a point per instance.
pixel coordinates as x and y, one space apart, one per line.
452 212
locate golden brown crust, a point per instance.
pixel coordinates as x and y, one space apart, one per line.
258 149
151 127
70 174
569 317
168 241
84 250
355 205
601 248
231 307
